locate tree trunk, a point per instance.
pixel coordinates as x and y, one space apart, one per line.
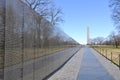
116 44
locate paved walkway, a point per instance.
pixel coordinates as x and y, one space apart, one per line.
92 69
87 64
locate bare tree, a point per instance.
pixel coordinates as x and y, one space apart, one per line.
36 3
55 15
93 41
40 6
115 6
114 39
47 10
97 40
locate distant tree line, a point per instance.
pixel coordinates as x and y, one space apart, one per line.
112 39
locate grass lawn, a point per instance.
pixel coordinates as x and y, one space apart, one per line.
109 52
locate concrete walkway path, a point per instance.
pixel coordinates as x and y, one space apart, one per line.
91 68
87 64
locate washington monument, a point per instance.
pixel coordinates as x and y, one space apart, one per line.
88 35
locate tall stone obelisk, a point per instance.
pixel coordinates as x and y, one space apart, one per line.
88 35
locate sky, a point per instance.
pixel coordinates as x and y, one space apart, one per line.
80 14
